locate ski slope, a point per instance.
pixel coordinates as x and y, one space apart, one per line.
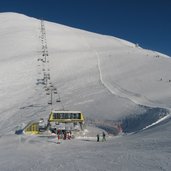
106 78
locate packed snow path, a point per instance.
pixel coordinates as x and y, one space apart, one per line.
146 151
117 90
113 87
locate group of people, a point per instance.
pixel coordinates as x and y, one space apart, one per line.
64 134
103 137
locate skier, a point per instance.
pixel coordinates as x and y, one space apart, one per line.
69 135
104 136
98 137
65 135
58 135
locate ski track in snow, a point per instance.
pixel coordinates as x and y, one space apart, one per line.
123 93
157 122
117 90
120 92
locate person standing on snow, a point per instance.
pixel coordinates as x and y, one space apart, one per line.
98 137
69 135
104 136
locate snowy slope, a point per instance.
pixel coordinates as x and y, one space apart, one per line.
89 69
105 77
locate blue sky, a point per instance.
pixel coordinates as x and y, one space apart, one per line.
146 22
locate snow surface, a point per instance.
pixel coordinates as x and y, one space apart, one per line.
104 77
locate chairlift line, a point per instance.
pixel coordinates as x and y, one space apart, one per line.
45 70
55 116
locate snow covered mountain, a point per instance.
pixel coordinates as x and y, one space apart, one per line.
93 73
105 77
